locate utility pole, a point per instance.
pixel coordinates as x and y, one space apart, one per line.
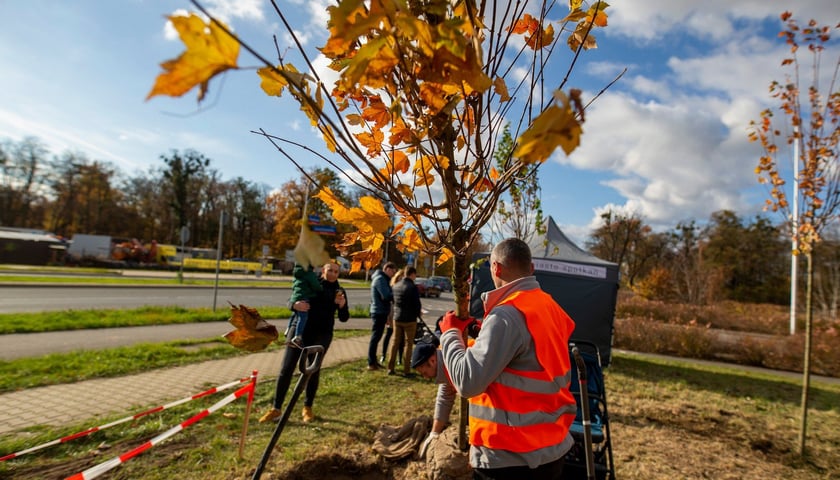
794 258
218 258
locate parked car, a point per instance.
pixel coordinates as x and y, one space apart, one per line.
443 283
426 287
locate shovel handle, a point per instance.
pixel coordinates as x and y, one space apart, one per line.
310 359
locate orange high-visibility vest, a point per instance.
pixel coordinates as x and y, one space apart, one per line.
523 411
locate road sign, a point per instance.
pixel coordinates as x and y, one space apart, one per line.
324 229
314 219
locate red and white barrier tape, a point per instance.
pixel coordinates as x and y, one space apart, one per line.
103 467
132 417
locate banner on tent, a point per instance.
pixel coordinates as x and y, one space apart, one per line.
556 266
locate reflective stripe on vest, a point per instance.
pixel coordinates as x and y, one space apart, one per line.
523 411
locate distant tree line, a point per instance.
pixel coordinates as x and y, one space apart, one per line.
70 193
726 258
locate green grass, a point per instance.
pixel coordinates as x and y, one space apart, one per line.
138 281
88 364
644 395
87 319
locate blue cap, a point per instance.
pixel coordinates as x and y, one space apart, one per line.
422 352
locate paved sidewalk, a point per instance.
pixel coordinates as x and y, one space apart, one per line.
61 404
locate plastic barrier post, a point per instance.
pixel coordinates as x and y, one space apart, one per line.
247 414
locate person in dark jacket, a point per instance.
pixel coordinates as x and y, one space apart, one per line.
322 309
406 312
381 297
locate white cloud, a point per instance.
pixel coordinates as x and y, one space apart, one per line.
647 20
670 161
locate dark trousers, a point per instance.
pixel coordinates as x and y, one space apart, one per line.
379 321
387 341
547 471
291 356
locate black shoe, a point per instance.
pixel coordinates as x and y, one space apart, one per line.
409 375
391 372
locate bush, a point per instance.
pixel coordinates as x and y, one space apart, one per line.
746 334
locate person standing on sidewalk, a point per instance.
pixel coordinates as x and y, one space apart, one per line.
322 309
381 298
516 375
406 312
389 325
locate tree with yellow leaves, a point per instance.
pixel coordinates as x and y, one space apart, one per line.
812 115
424 89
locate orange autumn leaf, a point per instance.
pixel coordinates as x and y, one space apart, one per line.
251 333
400 133
372 141
400 162
377 112
536 36
210 51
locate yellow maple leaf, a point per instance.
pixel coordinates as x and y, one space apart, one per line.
210 51
445 254
274 80
411 241
370 219
555 126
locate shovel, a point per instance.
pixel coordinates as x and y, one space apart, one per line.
308 366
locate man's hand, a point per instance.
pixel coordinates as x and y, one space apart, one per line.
424 447
450 321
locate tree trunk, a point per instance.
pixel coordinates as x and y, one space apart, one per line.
461 289
806 369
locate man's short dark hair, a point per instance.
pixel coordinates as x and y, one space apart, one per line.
514 254
409 270
390 265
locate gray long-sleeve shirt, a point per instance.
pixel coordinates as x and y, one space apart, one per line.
504 341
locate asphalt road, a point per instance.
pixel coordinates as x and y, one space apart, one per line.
38 298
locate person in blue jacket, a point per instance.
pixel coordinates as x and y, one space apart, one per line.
381 298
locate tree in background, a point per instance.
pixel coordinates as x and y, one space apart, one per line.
827 275
695 280
751 258
626 240
519 215
811 121
285 208
181 172
23 166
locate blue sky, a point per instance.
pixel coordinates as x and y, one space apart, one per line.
668 141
